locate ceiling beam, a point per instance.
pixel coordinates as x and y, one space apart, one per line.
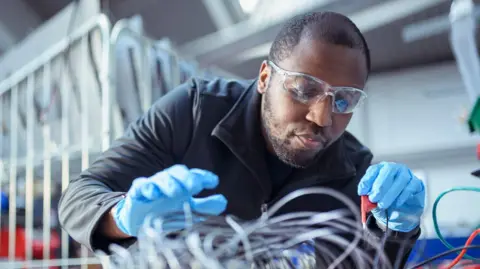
17 20
431 27
366 20
244 30
259 29
218 13
7 40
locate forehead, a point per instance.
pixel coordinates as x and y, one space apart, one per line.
336 65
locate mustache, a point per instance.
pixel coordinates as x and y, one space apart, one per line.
312 131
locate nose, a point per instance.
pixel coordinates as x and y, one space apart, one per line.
320 112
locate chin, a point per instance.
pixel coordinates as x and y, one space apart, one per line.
297 158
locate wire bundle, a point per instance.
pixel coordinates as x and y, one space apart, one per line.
294 240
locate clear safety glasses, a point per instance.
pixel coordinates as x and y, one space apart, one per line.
309 90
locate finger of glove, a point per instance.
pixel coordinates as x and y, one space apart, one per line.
208 179
401 180
365 185
197 180
167 182
380 215
143 189
414 187
211 205
383 182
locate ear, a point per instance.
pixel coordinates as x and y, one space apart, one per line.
263 77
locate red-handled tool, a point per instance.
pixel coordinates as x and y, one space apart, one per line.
366 206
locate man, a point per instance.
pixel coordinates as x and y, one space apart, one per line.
251 143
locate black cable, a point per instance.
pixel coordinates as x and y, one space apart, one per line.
419 255
383 242
399 258
438 256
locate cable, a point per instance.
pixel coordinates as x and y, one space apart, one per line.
420 251
443 254
293 240
434 214
335 194
460 256
400 254
384 239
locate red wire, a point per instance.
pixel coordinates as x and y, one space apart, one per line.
464 251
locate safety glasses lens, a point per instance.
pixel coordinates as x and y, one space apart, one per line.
304 89
346 100
307 90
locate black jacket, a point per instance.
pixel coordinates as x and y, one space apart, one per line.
213 125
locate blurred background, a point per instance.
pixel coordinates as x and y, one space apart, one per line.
73 74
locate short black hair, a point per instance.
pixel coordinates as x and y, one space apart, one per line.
330 27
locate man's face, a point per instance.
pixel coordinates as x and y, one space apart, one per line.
295 131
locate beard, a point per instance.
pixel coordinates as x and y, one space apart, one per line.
282 146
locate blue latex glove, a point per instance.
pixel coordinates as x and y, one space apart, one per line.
164 193
396 191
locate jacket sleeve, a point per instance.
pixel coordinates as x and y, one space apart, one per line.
397 245
150 144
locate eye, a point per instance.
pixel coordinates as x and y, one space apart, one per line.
346 100
341 105
305 87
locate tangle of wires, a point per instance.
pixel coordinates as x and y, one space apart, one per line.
293 240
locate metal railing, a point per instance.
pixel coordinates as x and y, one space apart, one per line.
18 95
45 143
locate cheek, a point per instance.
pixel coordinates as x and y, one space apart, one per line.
288 111
340 122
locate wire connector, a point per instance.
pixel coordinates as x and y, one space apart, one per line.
366 206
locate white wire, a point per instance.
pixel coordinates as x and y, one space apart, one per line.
336 195
268 242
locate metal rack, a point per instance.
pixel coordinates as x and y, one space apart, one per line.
64 108
31 140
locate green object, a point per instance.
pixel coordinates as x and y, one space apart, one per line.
474 118
434 215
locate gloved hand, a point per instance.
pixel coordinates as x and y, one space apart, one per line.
164 193
396 191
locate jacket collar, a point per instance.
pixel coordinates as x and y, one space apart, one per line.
240 131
